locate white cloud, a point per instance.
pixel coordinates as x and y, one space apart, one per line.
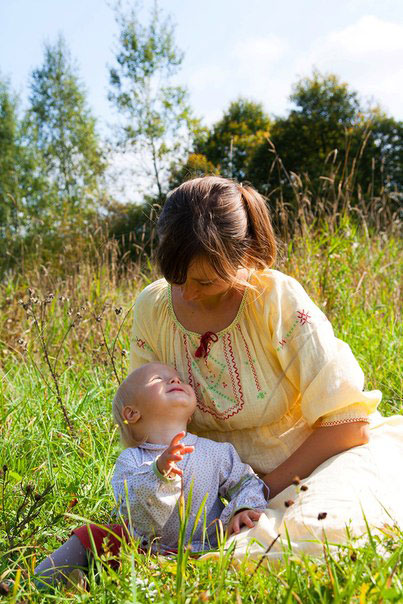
367 54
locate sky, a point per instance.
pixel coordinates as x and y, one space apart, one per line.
251 48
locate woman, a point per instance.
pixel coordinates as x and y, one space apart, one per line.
269 375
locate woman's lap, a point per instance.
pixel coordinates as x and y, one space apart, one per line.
359 487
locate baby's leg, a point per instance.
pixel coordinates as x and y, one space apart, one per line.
57 567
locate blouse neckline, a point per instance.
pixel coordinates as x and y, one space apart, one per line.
218 333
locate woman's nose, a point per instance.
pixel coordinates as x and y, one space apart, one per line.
175 380
188 293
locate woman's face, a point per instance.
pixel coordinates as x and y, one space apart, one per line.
202 282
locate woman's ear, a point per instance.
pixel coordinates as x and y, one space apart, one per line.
130 415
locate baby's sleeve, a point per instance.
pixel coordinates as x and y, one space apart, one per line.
145 497
238 483
320 366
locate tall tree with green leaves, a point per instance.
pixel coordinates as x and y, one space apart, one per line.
232 141
60 125
157 122
9 160
328 136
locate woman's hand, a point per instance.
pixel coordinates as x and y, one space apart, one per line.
173 453
243 518
318 447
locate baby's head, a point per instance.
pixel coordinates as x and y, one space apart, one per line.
151 399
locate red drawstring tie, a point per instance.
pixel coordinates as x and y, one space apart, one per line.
207 337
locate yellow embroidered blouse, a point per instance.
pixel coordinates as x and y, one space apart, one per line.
270 376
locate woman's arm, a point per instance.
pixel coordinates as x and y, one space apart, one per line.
318 447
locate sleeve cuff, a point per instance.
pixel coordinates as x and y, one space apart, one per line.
348 415
162 476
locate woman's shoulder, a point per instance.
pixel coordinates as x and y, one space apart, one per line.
273 282
153 293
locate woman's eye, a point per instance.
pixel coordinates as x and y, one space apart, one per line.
207 283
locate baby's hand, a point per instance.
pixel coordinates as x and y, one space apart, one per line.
173 453
243 518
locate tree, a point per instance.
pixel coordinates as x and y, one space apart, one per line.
157 121
325 114
9 155
232 141
21 177
329 136
196 165
60 126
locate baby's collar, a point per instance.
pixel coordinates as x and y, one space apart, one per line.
189 439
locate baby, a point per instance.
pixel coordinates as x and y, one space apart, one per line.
152 408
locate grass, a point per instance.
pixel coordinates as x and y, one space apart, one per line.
65 360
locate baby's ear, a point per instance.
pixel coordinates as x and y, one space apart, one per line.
130 415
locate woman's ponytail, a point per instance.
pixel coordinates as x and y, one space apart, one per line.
262 242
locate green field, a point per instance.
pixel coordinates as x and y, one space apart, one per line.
64 346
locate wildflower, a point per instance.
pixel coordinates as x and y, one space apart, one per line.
4 588
72 503
322 515
288 503
98 319
49 298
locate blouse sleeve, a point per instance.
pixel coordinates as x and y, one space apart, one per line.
320 366
142 344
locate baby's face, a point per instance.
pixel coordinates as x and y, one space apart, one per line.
158 391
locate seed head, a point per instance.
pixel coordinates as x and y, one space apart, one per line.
322 515
288 503
296 481
119 310
304 487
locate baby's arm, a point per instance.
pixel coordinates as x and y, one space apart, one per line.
146 496
247 493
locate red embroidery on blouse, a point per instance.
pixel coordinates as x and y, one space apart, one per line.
188 361
173 340
140 343
252 366
303 317
282 342
232 368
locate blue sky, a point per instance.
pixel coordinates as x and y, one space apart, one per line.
251 48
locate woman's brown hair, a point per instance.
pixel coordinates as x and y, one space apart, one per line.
218 219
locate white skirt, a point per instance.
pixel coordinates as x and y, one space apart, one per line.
354 490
